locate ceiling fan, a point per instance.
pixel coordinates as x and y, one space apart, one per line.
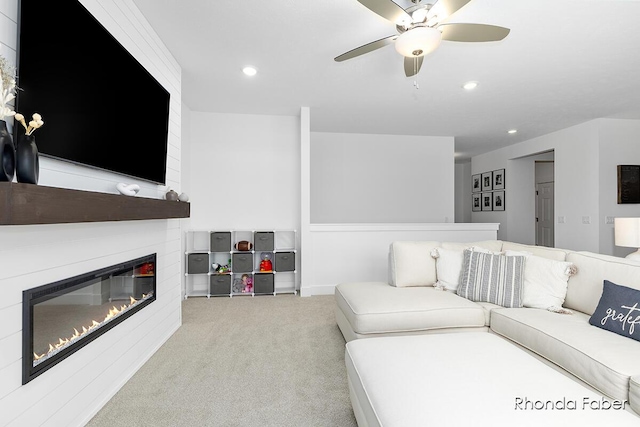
421 28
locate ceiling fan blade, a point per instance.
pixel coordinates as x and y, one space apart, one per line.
366 48
472 32
412 65
387 9
446 8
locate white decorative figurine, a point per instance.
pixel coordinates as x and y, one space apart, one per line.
128 190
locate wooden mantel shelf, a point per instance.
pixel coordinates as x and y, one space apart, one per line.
26 204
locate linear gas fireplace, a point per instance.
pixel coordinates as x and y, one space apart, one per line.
62 317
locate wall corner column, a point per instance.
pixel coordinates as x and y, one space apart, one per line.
305 201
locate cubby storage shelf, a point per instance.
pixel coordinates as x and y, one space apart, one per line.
26 204
241 263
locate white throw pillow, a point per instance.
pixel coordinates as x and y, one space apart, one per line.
545 282
449 264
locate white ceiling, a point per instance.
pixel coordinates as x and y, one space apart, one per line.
565 62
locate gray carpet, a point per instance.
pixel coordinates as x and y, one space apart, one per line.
242 361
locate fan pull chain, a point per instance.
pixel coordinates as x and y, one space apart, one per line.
415 73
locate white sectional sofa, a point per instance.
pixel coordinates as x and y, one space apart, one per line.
409 315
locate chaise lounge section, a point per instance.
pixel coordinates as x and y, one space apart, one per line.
412 306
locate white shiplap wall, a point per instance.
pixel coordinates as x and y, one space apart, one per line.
73 391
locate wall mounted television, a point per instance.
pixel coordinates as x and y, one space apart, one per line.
100 106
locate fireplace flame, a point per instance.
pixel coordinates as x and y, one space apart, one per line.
65 342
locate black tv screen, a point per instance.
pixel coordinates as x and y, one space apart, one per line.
100 106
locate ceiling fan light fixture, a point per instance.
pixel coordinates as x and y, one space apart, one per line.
419 15
418 41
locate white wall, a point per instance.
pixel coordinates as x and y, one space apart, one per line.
363 178
619 145
463 192
244 171
73 391
344 253
586 156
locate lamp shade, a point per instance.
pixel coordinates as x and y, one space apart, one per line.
627 232
418 41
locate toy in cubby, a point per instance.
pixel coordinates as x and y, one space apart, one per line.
247 281
220 269
266 264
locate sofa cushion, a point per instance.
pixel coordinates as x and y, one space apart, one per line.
618 311
377 308
604 360
545 281
411 264
492 278
467 379
490 245
542 251
585 287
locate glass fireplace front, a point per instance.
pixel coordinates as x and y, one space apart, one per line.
60 318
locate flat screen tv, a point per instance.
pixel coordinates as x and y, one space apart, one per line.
100 106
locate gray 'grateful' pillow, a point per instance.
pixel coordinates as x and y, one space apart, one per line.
618 310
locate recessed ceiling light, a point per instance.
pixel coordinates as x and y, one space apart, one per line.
249 71
512 131
470 85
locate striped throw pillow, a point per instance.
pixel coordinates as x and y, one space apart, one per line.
497 279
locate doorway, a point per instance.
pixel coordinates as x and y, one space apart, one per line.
545 233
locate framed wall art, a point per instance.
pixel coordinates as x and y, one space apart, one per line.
628 184
498 200
476 202
476 187
498 179
486 181
487 201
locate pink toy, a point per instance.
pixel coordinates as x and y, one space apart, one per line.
247 281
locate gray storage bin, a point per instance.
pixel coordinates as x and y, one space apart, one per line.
263 241
242 262
263 283
220 284
220 241
285 261
198 263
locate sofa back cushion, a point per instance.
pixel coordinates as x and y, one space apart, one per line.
541 251
411 264
490 245
585 287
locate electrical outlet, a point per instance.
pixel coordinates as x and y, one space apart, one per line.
586 220
561 220
608 220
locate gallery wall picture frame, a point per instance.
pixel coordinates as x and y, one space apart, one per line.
498 179
476 202
628 184
476 187
487 178
487 201
498 200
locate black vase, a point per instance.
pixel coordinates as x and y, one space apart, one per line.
7 154
27 163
